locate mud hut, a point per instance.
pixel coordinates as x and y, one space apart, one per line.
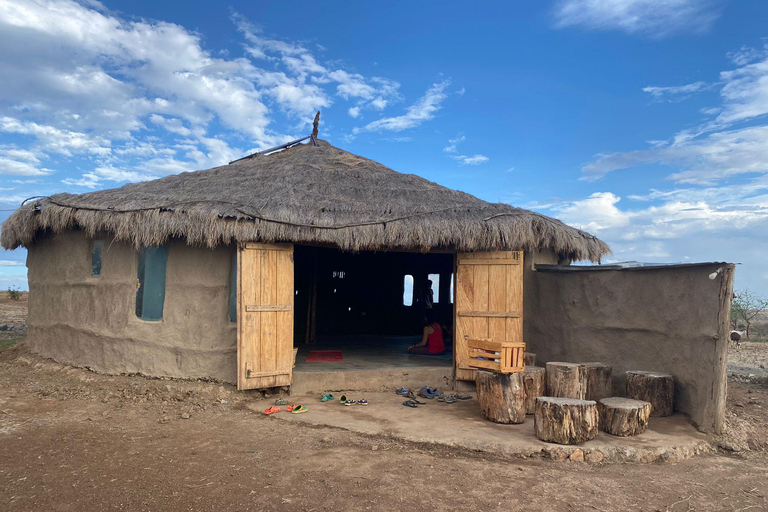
222 273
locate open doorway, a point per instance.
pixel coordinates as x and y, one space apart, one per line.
369 306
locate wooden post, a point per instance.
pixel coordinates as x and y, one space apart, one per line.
566 380
599 381
501 396
565 420
534 379
312 309
623 416
654 387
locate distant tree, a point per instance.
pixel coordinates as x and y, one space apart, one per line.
14 293
746 306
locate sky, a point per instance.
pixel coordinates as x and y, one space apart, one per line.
644 122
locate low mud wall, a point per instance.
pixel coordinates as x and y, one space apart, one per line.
670 319
90 321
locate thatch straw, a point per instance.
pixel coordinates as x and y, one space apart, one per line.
305 194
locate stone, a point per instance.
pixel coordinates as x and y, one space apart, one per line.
577 455
595 456
185 416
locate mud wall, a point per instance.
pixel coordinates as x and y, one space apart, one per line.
671 319
91 321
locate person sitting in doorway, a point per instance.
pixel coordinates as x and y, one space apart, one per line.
432 339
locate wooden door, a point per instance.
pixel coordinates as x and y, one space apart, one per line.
489 302
265 316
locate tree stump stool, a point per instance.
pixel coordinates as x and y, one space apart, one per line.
654 387
566 380
599 381
534 380
623 416
565 420
530 359
501 396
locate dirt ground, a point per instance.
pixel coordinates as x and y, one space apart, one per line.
13 312
749 356
71 439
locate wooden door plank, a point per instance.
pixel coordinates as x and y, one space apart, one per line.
285 295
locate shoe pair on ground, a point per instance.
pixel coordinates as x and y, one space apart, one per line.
343 400
294 408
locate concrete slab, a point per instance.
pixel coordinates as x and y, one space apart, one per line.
461 425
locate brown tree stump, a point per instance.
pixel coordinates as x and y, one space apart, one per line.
535 382
566 380
565 420
623 416
654 387
530 359
599 381
501 396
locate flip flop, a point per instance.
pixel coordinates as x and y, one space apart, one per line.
362 402
281 401
463 397
410 403
271 410
327 397
299 409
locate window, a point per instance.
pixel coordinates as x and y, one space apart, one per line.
435 278
233 289
98 245
408 290
150 297
451 288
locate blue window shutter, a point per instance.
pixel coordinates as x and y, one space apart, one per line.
150 297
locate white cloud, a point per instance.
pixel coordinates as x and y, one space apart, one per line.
354 112
659 92
10 263
423 110
452 143
720 148
657 18
470 160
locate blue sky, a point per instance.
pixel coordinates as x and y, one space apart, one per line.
642 121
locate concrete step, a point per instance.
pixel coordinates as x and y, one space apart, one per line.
386 379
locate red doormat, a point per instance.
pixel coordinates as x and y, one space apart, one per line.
324 356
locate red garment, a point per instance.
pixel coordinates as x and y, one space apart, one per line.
435 343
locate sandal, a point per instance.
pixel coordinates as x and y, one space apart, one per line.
271 410
450 399
462 396
299 409
327 398
362 402
281 401
410 403
292 407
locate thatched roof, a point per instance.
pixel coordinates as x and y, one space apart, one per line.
305 194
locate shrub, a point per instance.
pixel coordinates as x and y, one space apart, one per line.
14 293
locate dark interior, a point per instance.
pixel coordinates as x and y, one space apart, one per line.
363 294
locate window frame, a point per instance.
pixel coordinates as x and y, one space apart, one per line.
141 278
